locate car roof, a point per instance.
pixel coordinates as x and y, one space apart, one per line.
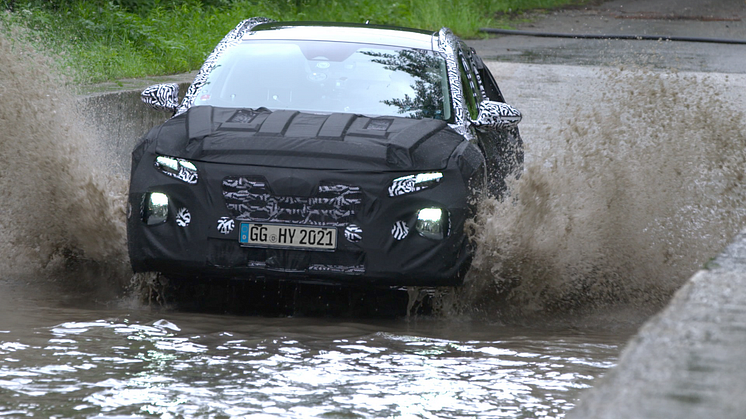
346 32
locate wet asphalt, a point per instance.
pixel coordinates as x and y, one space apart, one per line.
721 21
689 360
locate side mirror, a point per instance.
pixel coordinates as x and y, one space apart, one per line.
162 97
497 115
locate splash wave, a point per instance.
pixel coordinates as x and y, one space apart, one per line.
60 203
618 205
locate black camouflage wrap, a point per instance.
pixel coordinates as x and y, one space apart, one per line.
275 167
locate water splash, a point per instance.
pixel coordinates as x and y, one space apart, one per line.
618 206
60 203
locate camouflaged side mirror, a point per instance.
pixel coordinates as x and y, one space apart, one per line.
162 97
497 115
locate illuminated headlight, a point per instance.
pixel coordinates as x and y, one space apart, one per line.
414 183
432 223
181 169
155 208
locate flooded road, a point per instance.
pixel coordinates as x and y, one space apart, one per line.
633 180
63 357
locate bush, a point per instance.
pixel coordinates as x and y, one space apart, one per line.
105 40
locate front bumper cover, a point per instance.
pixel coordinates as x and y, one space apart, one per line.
376 244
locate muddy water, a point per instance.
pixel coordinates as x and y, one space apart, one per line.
632 182
72 359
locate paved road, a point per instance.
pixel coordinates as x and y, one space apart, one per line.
720 19
688 361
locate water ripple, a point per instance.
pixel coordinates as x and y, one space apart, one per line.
119 367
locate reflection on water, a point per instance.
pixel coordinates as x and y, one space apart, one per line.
108 362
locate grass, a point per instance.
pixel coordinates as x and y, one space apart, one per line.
109 40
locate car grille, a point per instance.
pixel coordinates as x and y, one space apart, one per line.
249 198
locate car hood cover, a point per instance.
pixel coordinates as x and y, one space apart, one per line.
304 140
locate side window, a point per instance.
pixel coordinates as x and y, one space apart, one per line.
471 93
471 59
490 91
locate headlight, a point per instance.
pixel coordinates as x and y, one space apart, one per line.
432 223
155 208
414 183
181 169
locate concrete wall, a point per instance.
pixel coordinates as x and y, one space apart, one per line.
120 119
689 361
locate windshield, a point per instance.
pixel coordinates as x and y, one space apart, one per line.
329 77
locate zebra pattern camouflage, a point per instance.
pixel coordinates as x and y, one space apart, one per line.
498 115
250 199
353 233
233 37
161 97
400 230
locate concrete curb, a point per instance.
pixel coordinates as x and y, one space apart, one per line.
689 361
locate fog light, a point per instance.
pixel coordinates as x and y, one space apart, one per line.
181 169
432 223
156 208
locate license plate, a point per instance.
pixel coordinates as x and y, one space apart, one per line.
289 236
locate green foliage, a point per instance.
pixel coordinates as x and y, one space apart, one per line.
111 39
